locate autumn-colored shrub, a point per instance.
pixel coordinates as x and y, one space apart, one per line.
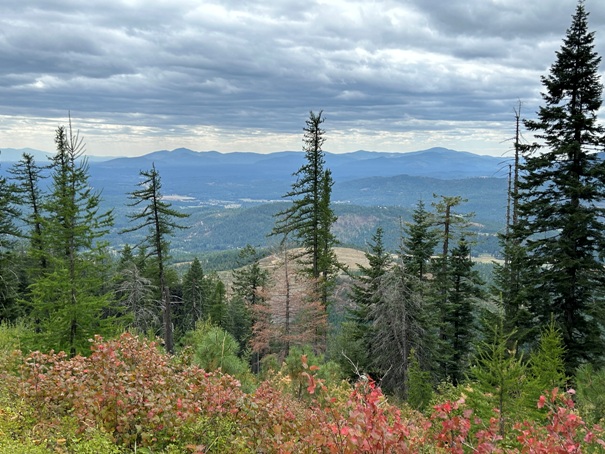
128 395
126 387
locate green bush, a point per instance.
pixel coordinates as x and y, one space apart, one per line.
214 348
590 388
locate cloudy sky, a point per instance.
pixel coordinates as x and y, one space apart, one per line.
242 75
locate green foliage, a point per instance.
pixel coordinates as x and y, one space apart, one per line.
546 364
297 363
562 192
309 219
159 218
498 378
420 387
590 387
214 349
419 241
68 298
358 334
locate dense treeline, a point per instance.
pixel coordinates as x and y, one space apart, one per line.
418 321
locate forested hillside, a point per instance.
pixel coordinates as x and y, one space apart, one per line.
117 335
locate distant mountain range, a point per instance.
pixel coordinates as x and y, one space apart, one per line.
232 196
434 162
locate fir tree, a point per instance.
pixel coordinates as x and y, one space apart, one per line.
196 297
419 242
499 376
365 296
464 291
562 194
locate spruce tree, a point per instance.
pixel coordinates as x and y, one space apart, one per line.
562 194
159 218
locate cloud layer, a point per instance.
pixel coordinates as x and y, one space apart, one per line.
243 75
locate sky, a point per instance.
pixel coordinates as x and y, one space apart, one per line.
138 76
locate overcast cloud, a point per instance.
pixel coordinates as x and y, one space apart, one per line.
238 75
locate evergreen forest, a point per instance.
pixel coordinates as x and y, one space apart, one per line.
411 347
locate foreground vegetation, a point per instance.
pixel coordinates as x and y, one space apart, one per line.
130 396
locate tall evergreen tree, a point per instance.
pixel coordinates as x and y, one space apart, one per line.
459 322
309 219
401 322
453 287
562 194
28 176
9 275
159 218
68 300
195 298
419 242
365 296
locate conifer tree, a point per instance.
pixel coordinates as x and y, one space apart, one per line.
68 300
9 275
309 219
459 321
562 194
27 176
365 296
499 376
419 242
401 323
249 279
195 302
138 296
159 218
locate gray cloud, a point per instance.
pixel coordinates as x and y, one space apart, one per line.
231 75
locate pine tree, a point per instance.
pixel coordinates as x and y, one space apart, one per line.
562 194
69 303
309 219
159 218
